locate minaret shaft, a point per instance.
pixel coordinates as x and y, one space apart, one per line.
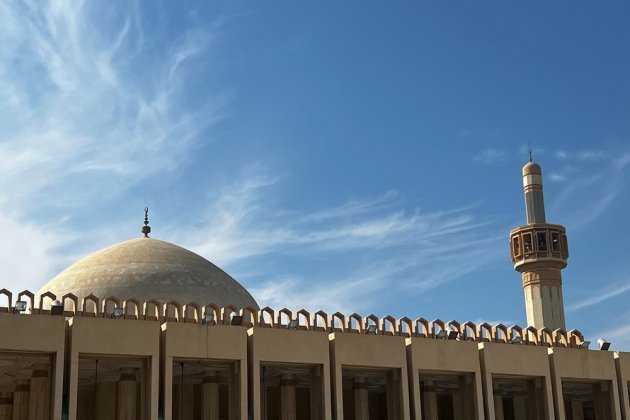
540 251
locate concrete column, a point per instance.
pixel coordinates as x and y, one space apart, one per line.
458 406
20 399
234 392
127 395
361 403
603 400
498 405
393 394
6 405
39 398
577 409
287 398
106 400
317 392
466 398
520 408
210 397
430 401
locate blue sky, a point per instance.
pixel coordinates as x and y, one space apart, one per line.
350 156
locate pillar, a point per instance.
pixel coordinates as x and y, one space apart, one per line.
6 405
39 395
577 409
430 401
458 406
498 404
234 391
520 407
20 399
106 400
603 400
361 403
392 379
127 394
287 398
317 393
210 397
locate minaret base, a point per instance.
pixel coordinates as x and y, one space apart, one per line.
543 298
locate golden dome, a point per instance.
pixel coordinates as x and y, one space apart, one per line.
148 268
531 168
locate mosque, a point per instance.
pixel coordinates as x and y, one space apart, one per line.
145 329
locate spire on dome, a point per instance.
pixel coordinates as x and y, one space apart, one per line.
146 229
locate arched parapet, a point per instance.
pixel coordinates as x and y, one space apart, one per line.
249 314
191 313
575 338
303 318
171 311
283 318
405 327
436 325
90 306
388 325
151 310
214 311
337 322
516 333
108 305
6 307
454 325
421 328
266 317
560 338
545 337
355 323
531 336
500 333
469 331
28 297
320 321
372 319
484 332
42 301
226 314
131 308
75 304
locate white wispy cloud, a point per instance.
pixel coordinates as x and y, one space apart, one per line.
581 155
87 114
490 155
376 246
599 296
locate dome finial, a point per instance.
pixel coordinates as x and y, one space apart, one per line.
146 229
530 151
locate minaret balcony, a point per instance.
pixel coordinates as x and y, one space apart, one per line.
539 245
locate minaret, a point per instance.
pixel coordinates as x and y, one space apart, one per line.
539 251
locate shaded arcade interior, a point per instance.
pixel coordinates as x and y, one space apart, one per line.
25 386
447 396
112 388
204 389
292 391
587 400
519 398
371 393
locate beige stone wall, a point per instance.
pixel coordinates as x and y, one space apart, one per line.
337 345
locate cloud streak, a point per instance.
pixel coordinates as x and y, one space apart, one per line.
344 257
105 114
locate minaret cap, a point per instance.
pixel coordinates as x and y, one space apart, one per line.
531 168
146 229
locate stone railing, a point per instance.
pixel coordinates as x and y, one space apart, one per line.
320 321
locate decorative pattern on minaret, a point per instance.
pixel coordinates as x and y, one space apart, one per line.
539 251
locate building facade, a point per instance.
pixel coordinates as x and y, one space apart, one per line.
145 329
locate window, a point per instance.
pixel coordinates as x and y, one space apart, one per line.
516 246
541 240
527 241
555 241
